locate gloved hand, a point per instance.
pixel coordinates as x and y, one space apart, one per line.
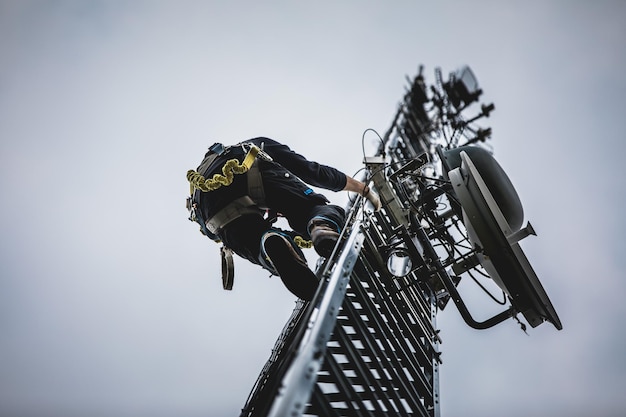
373 198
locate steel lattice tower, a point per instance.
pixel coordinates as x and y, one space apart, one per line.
368 344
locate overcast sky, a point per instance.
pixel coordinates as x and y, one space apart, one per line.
110 299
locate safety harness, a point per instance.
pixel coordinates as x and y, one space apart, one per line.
252 203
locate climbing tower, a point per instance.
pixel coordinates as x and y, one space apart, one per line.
368 343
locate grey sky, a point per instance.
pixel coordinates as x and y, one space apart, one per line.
110 300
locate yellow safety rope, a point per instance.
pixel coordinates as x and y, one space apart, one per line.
230 168
302 243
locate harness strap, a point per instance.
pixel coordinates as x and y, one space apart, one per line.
234 210
255 185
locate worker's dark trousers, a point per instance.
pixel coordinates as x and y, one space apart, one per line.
243 235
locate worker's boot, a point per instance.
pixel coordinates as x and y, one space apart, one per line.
324 234
290 264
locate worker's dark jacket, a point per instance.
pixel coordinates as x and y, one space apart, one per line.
286 191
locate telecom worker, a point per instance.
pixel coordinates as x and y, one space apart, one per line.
239 210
